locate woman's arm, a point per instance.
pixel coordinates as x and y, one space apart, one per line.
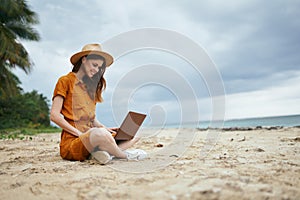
96 123
113 131
56 117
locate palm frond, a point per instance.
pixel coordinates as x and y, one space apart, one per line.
17 10
9 83
16 20
24 31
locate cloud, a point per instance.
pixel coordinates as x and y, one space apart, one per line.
248 38
277 100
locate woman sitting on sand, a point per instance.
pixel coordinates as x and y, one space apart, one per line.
75 97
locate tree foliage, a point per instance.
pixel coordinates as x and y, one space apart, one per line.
16 21
26 110
9 83
17 109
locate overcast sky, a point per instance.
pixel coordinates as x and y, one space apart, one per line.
254 44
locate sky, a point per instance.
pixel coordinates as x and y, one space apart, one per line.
254 45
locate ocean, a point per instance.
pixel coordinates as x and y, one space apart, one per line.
282 121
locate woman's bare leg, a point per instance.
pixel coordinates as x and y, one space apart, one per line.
102 138
129 143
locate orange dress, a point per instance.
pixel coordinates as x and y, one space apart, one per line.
79 110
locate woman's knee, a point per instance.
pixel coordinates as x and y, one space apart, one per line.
101 134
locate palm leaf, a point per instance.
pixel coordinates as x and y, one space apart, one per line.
16 20
9 83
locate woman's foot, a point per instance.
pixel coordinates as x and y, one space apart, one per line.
136 154
102 157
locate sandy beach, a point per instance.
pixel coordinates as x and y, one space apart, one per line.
252 164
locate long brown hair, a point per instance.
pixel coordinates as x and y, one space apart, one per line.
97 84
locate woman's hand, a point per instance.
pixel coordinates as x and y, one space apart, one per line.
113 130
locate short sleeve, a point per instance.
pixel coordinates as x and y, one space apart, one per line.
61 87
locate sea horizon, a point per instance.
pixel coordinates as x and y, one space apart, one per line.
251 122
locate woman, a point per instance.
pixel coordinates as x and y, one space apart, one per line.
75 97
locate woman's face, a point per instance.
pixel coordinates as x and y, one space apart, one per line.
92 66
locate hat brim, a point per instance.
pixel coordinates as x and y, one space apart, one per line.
108 58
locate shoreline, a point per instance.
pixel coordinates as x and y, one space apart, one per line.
233 128
250 128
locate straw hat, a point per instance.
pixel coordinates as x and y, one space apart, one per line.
92 49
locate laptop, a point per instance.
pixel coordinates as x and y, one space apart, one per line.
130 126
